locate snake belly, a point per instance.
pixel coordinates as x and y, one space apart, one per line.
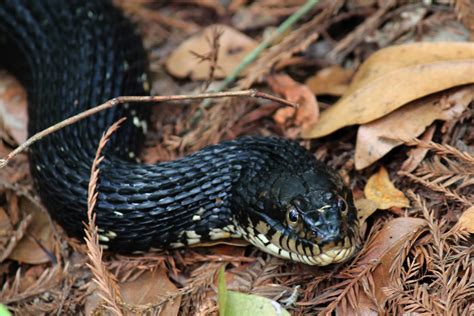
72 55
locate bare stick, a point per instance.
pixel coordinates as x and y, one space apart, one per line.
137 99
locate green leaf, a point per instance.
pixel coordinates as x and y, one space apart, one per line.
222 292
238 304
4 311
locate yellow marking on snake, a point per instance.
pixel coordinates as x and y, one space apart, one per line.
284 242
192 234
337 253
292 245
322 209
192 241
111 234
103 238
299 248
262 227
176 245
276 238
218 233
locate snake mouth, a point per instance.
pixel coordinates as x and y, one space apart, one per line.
310 254
336 254
329 254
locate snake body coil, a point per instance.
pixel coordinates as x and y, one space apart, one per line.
71 55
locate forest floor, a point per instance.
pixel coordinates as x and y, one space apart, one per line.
385 92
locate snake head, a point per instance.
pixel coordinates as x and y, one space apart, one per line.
308 217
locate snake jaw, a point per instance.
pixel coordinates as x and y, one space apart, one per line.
336 254
310 254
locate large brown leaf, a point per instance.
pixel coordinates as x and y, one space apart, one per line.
384 247
233 47
377 138
384 84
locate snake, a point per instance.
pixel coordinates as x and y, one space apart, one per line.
72 55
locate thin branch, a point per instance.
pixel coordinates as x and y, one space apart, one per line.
250 57
288 23
137 99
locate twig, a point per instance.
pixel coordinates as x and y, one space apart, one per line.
212 56
107 286
137 99
442 149
438 188
348 43
250 57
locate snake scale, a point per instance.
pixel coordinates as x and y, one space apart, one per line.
71 55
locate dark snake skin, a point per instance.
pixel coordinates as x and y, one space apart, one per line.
72 55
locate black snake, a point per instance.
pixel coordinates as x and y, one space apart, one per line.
72 55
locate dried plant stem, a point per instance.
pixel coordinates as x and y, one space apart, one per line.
137 99
15 237
289 22
106 284
437 187
365 270
442 149
250 57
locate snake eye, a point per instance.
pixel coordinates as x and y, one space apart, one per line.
341 204
292 217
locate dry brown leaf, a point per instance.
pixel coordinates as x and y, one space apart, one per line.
465 12
375 93
332 80
13 116
417 154
150 288
365 208
308 111
39 237
233 47
400 56
381 190
466 221
384 247
377 138
6 229
5 224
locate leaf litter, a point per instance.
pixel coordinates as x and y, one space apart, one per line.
414 258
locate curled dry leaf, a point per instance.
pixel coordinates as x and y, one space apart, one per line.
13 117
386 245
38 243
233 47
382 84
400 56
150 288
466 221
365 208
417 154
5 224
6 229
381 190
308 111
377 138
332 80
